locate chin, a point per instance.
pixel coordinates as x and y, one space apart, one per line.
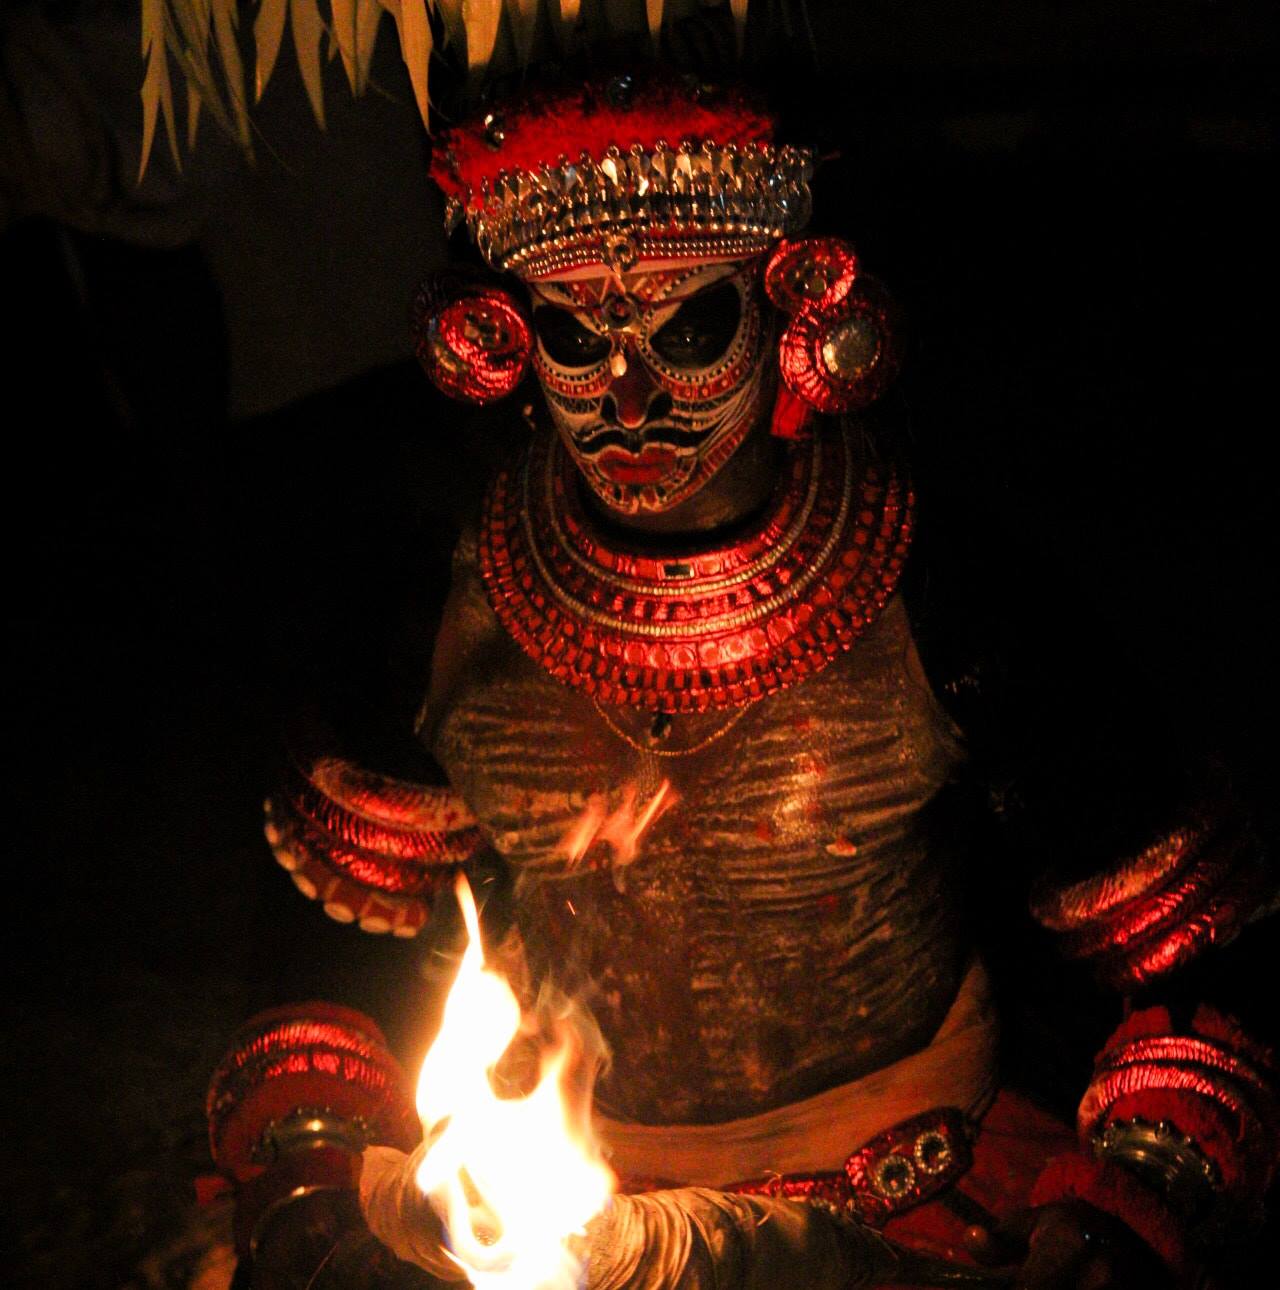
640 493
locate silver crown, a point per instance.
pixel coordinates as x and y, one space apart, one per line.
699 198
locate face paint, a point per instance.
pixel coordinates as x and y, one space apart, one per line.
653 377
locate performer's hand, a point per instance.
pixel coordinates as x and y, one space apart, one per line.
1069 1245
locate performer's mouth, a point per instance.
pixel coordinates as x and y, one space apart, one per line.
651 465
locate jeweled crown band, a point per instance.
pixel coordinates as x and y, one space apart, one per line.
536 222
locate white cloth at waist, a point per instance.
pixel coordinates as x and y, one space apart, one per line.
957 1068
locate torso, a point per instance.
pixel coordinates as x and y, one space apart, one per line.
782 928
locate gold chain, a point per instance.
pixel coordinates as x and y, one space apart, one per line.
648 751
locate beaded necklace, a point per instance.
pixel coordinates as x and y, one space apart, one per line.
721 626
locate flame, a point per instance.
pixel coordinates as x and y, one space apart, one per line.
623 829
513 1179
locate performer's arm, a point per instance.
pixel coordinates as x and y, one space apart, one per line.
1152 875
373 847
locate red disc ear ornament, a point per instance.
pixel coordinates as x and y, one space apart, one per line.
471 338
838 353
810 271
841 357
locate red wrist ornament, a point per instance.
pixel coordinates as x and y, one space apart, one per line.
1213 1090
301 1091
1179 1132
373 849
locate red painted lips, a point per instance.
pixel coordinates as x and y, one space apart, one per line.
650 466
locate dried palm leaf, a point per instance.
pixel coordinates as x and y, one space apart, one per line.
450 14
268 30
653 12
157 90
185 30
368 15
193 115
415 45
567 14
739 10
189 33
480 18
523 15
225 22
342 37
304 22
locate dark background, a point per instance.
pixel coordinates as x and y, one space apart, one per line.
230 490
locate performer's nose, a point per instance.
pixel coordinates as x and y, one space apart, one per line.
634 397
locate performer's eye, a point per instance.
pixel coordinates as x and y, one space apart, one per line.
701 329
566 340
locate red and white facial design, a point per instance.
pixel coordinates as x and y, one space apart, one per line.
653 377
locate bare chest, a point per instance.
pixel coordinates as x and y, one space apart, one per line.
740 893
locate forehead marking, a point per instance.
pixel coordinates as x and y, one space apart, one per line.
649 287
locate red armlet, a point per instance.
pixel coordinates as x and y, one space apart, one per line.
370 848
1152 913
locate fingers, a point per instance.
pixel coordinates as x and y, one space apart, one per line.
1002 1244
987 1247
1061 1257
1053 1248
1097 1274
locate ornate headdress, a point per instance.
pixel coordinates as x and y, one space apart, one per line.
607 171
613 172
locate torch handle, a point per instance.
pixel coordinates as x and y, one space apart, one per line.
686 1239
921 1270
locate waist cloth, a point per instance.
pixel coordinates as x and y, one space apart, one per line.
957 1068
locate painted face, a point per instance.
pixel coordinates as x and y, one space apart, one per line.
653 378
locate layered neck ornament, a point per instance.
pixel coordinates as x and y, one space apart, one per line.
719 627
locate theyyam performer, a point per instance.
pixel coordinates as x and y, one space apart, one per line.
684 730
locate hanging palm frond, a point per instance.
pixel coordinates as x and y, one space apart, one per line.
308 31
470 30
343 36
157 90
653 12
414 27
226 24
739 8
268 32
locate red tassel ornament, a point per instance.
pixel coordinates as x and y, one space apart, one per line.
841 357
471 338
792 416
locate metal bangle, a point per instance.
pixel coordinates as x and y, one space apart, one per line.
1166 1160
